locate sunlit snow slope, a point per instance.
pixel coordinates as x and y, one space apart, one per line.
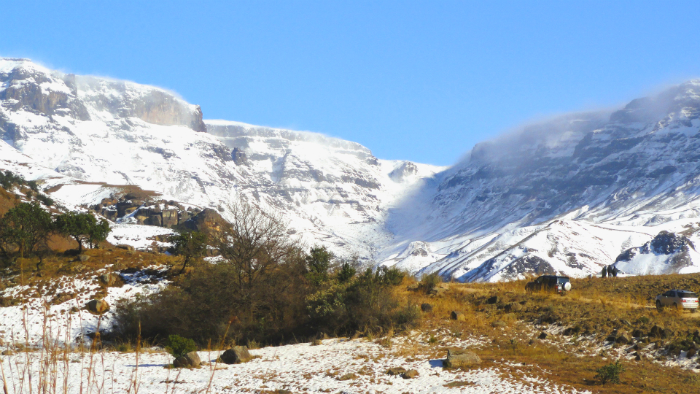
82 128
567 196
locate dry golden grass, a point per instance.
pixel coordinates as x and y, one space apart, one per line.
596 304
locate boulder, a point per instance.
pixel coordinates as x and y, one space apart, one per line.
493 300
189 360
236 355
83 257
459 316
426 307
110 279
543 335
395 371
410 374
623 338
461 358
97 307
637 333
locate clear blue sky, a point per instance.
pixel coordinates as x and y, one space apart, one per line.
416 80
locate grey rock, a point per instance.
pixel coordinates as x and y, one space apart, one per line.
236 355
189 360
457 358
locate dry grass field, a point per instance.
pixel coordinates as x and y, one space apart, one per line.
595 311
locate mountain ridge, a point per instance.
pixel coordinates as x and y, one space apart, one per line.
566 195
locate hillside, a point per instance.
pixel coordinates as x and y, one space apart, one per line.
567 195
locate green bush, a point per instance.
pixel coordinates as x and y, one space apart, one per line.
179 346
610 373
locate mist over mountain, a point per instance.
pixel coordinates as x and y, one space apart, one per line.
566 195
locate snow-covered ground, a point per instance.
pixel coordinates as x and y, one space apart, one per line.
31 322
296 368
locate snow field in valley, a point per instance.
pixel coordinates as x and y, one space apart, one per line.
296 368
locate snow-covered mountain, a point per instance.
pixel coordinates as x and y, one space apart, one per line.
83 129
566 195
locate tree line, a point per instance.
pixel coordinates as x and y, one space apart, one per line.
26 228
265 287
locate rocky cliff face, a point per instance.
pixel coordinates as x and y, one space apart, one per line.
32 88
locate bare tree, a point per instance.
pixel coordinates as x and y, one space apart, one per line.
253 246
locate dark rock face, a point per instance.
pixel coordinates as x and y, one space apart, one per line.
667 243
32 88
677 247
402 171
24 90
239 157
529 265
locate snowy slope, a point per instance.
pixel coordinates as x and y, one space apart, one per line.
90 129
566 195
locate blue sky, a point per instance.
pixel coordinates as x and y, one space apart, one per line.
415 80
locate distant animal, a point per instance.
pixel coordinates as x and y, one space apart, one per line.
605 271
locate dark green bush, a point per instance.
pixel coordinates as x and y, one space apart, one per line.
25 228
44 199
179 346
610 373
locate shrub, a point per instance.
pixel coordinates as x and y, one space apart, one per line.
610 373
44 199
429 282
261 291
192 245
179 346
